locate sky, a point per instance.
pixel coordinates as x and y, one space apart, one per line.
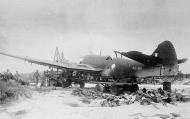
78 27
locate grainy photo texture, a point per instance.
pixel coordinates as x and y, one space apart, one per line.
94 59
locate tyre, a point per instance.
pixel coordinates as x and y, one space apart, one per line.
66 83
82 84
99 87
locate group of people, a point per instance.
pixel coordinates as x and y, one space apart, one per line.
7 75
41 80
48 77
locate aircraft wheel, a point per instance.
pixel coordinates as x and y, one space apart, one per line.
135 87
106 88
82 84
99 87
114 90
132 88
66 83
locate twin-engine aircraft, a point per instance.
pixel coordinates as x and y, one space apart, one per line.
162 62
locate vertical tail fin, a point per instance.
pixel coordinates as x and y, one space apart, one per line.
166 53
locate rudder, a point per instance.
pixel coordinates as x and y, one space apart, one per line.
166 53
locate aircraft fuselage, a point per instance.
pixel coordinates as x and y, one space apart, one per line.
124 68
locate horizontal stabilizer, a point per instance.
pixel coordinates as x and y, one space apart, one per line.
179 61
140 57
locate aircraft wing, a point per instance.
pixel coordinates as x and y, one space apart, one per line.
59 65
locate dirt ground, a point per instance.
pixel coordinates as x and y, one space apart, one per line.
61 104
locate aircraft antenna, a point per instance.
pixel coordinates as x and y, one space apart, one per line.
56 55
115 53
62 56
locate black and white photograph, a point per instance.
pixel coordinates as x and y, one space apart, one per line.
94 59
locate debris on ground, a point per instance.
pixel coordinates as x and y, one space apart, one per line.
88 93
143 96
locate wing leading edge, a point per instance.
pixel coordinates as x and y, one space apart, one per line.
59 65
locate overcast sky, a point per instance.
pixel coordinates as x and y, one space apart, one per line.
79 27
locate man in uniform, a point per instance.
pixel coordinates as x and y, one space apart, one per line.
36 76
46 78
8 75
17 76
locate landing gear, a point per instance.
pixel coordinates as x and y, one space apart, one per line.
106 88
135 87
82 84
119 89
99 87
131 87
114 89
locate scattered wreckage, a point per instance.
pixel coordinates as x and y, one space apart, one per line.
143 96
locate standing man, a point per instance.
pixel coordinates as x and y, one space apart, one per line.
36 76
8 75
17 76
46 78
